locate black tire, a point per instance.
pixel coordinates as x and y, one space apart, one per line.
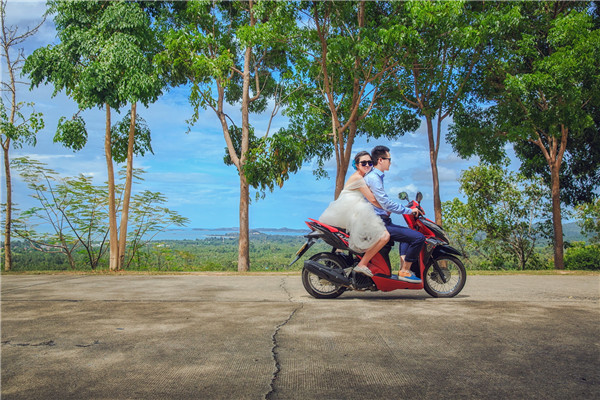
320 288
454 272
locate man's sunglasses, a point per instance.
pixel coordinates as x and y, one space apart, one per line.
365 163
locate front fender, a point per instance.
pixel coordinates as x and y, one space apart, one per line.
446 250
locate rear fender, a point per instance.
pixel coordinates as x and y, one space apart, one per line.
312 238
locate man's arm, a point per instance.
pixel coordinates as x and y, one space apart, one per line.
376 185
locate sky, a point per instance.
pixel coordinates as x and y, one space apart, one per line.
188 168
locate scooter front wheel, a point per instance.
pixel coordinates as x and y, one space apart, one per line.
318 287
445 277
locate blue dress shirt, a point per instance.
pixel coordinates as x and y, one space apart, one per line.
374 181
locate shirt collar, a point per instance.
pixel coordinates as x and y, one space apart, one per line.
377 172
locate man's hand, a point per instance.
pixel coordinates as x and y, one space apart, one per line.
415 212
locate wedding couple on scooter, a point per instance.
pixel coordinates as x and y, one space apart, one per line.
363 208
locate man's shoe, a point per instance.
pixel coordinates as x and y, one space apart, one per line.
363 270
408 276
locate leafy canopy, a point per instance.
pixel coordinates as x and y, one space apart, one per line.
104 55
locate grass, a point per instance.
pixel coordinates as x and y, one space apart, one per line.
281 273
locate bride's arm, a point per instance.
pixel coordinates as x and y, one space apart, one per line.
369 196
364 189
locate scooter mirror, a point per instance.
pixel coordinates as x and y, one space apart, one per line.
419 197
403 196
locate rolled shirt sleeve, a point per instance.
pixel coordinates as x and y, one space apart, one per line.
374 180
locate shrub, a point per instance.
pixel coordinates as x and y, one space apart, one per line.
580 257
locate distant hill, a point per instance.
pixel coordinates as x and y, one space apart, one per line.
572 233
235 229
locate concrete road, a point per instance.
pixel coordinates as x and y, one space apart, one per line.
263 337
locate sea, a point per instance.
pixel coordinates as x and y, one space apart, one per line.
231 233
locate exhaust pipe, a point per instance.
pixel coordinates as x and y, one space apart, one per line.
329 274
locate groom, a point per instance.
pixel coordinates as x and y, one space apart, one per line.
381 162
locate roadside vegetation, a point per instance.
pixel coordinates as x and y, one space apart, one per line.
506 75
269 253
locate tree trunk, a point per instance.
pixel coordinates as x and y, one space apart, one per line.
340 177
344 150
433 155
112 209
344 155
8 209
6 147
554 155
70 258
244 237
127 194
244 234
559 262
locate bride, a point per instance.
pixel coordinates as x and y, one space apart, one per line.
352 211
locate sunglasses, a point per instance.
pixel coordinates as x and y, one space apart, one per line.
365 163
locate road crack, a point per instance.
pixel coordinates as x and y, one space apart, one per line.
274 348
47 343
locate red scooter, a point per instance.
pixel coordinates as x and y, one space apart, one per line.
329 274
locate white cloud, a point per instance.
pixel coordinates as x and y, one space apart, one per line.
411 189
405 145
43 157
447 174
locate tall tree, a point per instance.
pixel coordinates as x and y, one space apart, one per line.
16 128
230 53
445 42
104 59
76 211
542 94
71 208
344 64
504 216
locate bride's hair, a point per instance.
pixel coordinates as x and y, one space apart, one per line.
357 157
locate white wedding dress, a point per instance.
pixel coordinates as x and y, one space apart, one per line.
352 212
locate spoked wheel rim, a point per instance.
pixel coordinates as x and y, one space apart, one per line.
319 287
450 281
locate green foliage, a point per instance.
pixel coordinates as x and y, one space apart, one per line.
539 85
211 46
503 218
71 133
71 213
444 42
343 71
104 55
589 219
148 218
581 257
273 159
120 138
205 44
72 216
268 253
235 53
22 132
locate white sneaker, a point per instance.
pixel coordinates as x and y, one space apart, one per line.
363 270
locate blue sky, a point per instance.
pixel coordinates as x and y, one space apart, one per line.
188 167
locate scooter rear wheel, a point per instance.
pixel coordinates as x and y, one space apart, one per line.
318 287
445 277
